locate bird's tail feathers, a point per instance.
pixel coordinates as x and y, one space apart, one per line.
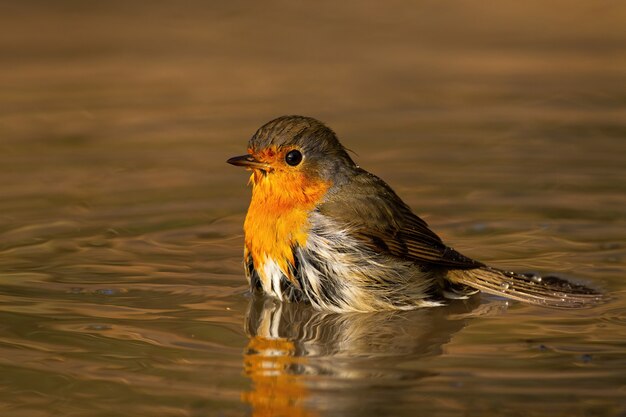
548 291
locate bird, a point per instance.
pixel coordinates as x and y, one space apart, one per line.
322 230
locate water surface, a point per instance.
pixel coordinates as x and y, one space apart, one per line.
121 285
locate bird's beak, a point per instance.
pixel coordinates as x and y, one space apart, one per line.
248 161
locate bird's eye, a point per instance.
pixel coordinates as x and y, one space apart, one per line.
293 158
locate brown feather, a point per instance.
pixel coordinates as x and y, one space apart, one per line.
545 291
374 214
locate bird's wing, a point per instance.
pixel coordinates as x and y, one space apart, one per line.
369 210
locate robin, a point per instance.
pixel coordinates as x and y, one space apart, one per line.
322 230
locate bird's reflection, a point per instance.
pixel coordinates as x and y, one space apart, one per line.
296 353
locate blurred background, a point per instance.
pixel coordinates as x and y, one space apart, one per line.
502 123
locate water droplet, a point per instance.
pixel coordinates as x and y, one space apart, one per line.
505 286
536 278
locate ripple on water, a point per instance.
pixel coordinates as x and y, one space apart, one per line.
616 315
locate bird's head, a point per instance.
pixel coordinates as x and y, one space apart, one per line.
295 150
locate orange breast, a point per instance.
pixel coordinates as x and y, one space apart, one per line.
277 218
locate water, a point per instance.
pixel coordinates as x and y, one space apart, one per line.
121 286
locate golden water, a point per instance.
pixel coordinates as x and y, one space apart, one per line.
121 288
